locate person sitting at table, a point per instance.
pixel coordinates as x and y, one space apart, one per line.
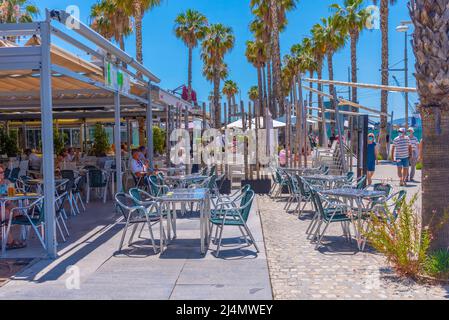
60 158
137 166
34 162
11 242
71 156
143 154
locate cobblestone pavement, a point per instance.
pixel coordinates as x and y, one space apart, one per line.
335 271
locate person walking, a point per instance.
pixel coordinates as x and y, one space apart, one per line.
414 142
371 158
401 155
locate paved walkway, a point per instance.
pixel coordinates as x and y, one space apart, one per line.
179 273
335 271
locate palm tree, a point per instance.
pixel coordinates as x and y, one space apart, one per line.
308 62
256 55
230 89
14 11
253 93
273 14
430 44
218 41
319 50
384 15
334 38
111 21
354 21
190 27
137 9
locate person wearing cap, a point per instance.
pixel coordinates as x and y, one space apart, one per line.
371 158
401 155
414 142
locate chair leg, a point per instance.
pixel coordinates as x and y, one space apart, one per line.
151 235
132 234
244 235
322 235
65 226
60 230
251 236
217 251
123 237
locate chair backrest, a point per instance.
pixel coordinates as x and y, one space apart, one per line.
212 171
399 199
246 204
160 177
96 178
302 186
124 204
14 175
350 176
68 174
23 166
383 187
316 199
360 182
204 171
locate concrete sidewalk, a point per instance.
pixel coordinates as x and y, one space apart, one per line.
137 273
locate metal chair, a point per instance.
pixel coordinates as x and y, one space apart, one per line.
137 214
98 180
233 217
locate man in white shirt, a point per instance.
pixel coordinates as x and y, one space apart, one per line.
401 155
137 166
34 162
414 143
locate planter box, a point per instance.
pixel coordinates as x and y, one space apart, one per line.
261 186
225 186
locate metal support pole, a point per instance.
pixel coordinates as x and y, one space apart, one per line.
117 143
150 147
340 133
406 79
47 142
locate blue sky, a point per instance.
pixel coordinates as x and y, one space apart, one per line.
166 56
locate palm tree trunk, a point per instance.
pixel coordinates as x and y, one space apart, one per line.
270 89
264 112
217 98
276 54
384 95
435 194
321 105
138 29
310 92
330 66
354 38
189 75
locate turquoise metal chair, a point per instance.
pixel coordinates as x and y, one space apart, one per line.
233 217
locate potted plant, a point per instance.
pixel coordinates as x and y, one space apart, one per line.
101 142
8 143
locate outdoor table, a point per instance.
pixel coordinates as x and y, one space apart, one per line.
199 195
357 195
328 181
184 180
20 197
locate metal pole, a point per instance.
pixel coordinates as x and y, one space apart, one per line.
406 79
118 151
47 142
340 133
150 146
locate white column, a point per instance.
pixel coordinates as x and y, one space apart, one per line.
149 114
47 142
117 143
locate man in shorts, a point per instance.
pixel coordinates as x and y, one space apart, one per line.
401 155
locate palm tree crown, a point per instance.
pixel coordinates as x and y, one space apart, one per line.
12 11
190 27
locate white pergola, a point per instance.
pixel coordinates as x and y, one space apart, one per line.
67 83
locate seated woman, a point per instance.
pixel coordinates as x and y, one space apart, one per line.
11 242
71 155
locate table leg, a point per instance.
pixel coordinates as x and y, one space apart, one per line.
169 206
202 235
174 220
3 209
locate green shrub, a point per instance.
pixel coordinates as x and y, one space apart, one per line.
101 141
158 139
379 157
437 264
419 166
8 143
58 141
401 240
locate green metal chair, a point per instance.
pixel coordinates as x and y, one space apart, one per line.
136 211
99 181
328 211
233 217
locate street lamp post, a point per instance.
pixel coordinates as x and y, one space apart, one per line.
403 27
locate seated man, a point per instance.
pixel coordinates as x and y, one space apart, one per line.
71 156
34 162
137 166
